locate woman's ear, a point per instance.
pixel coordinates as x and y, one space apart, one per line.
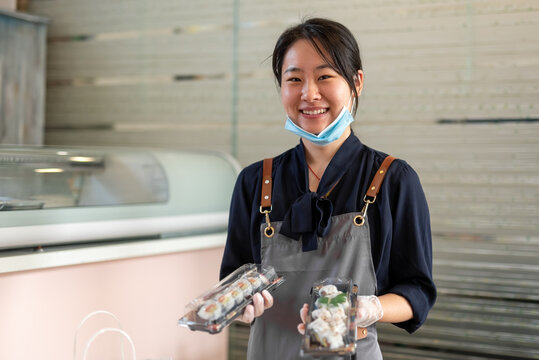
359 82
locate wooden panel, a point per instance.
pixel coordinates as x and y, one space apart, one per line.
424 61
71 18
479 178
22 78
487 304
258 142
169 55
214 139
185 103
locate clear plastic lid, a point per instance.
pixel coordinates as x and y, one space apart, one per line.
218 307
330 327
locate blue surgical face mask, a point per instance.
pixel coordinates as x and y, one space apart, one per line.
331 133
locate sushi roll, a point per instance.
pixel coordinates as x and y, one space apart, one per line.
338 326
322 313
318 326
226 300
330 316
332 340
329 291
264 279
245 286
269 274
236 294
255 281
317 329
338 312
211 310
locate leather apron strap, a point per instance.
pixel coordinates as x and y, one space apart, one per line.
376 183
265 196
372 191
374 188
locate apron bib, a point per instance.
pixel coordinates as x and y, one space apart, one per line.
344 252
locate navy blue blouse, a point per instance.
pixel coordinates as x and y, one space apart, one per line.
399 219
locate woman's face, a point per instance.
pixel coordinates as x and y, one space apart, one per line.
312 93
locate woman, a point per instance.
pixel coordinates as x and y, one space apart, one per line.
308 227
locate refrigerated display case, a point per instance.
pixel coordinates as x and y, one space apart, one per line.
52 196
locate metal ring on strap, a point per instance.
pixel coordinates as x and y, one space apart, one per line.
269 231
359 220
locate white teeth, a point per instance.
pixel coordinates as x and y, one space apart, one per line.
314 112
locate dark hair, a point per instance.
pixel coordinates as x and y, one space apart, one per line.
327 37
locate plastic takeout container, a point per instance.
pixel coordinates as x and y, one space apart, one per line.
215 309
330 327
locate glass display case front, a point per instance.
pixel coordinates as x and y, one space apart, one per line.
52 195
49 178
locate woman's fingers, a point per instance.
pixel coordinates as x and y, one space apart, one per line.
303 315
258 303
301 328
248 314
261 302
268 299
303 312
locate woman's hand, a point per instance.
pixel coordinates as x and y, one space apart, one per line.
303 315
261 302
369 310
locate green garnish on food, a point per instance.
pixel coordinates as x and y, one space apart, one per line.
339 299
323 300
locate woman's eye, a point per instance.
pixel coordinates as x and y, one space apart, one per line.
324 77
293 79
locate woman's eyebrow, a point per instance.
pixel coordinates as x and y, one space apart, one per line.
296 69
292 69
324 66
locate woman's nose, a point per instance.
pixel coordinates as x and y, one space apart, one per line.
310 91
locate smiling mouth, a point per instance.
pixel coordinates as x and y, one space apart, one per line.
314 112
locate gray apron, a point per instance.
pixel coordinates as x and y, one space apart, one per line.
344 252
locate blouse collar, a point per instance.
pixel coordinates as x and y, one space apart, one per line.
337 167
309 216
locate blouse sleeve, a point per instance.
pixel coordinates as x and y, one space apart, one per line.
410 263
238 249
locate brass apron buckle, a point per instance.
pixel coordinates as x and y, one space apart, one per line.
359 220
268 231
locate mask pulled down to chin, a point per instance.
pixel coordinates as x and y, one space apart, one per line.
331 133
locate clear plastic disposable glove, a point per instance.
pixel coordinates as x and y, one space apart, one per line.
369 310
261 302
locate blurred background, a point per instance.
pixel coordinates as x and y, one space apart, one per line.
451 86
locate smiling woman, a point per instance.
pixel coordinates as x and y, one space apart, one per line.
314 199
313 93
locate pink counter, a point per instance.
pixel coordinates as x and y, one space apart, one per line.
40 310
